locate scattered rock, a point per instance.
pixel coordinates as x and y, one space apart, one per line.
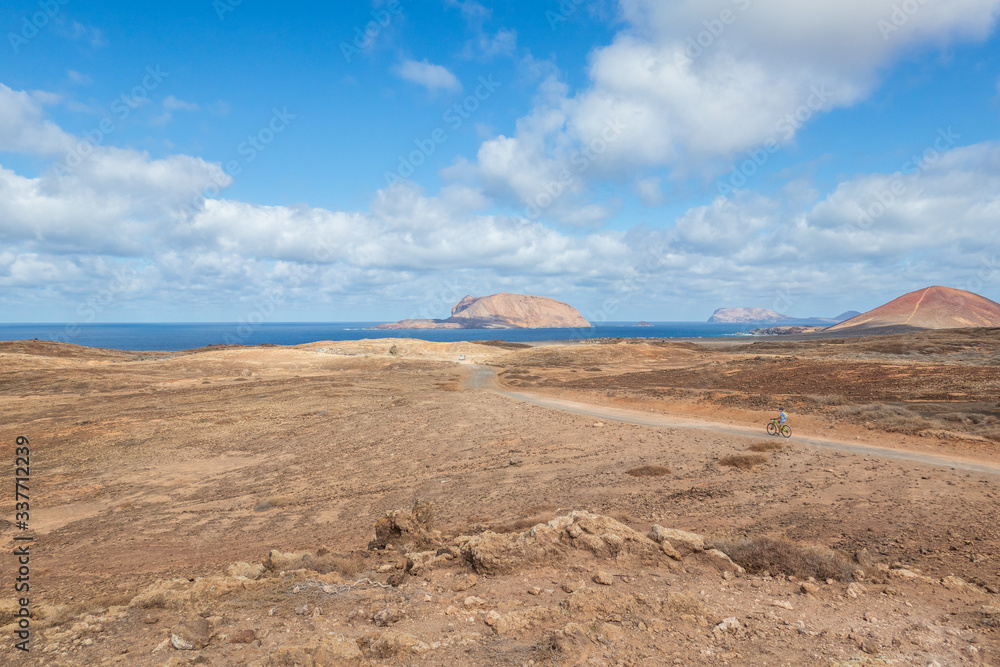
809 589
871 646
191 635
243 637
473 602
407 531
464 582
150 619
681 540
516 461
572 586
728 624
383 618
337 650
603 578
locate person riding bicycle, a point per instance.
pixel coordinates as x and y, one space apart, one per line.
782 417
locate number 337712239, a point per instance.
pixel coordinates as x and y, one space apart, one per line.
22 462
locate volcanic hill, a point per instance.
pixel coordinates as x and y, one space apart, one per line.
930 308
502 311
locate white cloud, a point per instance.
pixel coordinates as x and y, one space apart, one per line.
174 104
430 76
69 235
693 83
23 128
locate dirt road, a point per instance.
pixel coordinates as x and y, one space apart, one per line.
484 377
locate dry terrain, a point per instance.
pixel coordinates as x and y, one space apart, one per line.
612 502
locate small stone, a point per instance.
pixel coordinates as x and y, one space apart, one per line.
572 587
516 461
535 591
191 635
871 646
603 578
782 604
301 610
386 617
728 624
870 617
243 637
464 582
808 588
149 619
473 601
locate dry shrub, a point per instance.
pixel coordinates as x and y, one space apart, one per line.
649 471
346 565
743 461
778 556
766 446
893 418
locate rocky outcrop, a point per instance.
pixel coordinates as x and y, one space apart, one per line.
502 311
930 308
741 315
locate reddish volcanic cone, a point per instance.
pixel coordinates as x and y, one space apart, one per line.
929 308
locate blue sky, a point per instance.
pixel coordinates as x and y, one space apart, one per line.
215 161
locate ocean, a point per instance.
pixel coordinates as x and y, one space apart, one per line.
181 336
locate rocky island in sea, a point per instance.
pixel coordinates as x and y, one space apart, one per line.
502 311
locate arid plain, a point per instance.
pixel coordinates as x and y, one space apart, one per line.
219 506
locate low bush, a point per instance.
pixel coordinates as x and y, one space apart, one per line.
779 556
742 461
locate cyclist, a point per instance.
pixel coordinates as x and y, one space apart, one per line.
782 418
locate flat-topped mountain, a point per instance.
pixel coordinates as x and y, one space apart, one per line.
502 311
739 315
930 308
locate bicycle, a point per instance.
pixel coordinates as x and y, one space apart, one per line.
774 429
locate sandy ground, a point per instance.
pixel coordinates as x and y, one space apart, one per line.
153 473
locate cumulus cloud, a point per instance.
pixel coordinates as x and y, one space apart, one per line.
690 84
426 74
74 233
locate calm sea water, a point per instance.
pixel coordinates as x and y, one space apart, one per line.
175 336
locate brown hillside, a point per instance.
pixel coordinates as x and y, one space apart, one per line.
930 308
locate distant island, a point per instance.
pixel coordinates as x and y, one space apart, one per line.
764 316
742 315
502 311
643 324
